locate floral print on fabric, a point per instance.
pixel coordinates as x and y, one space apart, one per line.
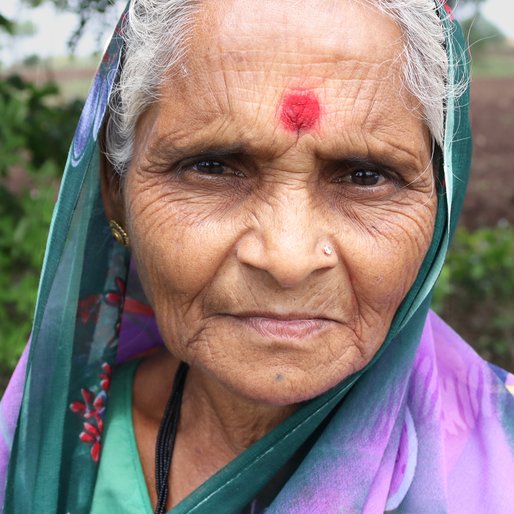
94 400
89 307
57 405
92 409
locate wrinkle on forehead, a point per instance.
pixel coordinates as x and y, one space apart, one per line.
294 45
242 68
302 26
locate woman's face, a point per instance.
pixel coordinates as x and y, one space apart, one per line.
281 197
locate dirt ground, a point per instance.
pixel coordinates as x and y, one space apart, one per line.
490 197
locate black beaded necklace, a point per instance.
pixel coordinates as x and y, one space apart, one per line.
166 438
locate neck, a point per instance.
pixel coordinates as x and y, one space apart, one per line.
210 411
216 424
232 421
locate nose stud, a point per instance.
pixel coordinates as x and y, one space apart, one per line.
328 250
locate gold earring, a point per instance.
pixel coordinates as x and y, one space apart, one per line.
118 233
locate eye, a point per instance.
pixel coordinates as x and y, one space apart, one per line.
210 167
363 178
214 167
366 177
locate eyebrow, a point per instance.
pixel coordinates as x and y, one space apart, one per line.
169 148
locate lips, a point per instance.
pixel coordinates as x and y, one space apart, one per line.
291 326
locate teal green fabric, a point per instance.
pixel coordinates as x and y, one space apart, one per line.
53 461
67 355
120 486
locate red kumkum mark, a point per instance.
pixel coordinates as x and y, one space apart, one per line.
300 111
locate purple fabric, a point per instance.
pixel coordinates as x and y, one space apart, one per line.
139 334
437 443
437 439
9 410
138 331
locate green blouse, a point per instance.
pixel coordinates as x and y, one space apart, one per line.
120 485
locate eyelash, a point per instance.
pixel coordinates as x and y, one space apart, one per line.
365 175
349 176
217 164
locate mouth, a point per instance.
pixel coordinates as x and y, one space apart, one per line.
288 326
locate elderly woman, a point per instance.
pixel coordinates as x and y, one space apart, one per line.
281 179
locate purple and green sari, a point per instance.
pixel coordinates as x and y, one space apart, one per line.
426 427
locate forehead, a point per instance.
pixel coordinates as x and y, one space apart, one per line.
334 29
244 61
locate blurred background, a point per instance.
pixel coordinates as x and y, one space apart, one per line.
48 53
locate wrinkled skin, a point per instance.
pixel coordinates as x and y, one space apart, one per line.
212 248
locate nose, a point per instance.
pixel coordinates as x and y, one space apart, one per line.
289 241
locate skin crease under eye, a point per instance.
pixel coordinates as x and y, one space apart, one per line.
234 267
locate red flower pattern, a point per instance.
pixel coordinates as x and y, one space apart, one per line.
92 409
89 306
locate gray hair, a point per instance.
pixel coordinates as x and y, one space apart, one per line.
156 37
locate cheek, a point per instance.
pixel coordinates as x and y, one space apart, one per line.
384 256
178 246
185 252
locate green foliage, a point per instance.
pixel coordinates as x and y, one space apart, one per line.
493 64
33 118
24 223
6 25
475 292
481 33
34 135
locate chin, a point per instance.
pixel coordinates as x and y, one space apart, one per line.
281 386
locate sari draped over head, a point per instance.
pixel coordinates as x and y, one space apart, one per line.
426 426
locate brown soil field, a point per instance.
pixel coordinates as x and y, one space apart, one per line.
490 197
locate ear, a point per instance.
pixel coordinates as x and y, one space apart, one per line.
110 185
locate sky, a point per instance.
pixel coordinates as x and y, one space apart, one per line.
54 29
